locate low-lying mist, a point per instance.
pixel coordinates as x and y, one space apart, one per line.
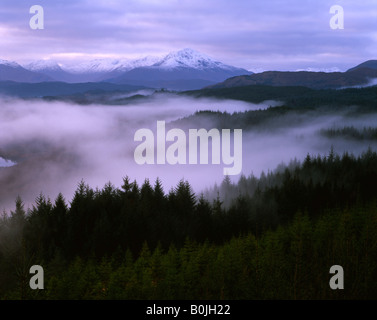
49 147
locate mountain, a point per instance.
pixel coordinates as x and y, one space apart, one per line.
43 66
371 64
110 65
189 58
314 80
12 71
102 69
51 69
186 69
89 71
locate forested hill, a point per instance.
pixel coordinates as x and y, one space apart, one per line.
297 221
317 80
294 96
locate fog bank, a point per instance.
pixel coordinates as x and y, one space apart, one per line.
56 145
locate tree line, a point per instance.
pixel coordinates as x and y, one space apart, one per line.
151 244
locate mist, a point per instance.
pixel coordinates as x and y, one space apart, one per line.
49 147
372 82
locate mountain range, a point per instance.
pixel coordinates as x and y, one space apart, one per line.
12 71
180 70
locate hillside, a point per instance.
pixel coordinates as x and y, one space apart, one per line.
371 64
315 80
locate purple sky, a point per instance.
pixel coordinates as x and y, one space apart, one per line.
256 35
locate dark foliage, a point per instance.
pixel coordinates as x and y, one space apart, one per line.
275 237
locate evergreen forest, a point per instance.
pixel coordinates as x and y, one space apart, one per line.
274 237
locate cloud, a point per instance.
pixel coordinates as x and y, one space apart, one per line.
55 145
243 33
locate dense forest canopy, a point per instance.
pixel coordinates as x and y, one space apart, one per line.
141 242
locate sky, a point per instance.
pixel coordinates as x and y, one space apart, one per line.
252 34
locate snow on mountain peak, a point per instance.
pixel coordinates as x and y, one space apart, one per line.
189 58
42 65
109 65
9 63
93 66
145 61
185 58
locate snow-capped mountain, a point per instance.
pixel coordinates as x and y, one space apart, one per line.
42 65
97 66
145 61
183 69
12 71
96 69
110 65
186 58
88 71
9 63
189 58
52 69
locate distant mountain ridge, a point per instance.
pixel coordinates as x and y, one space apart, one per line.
51 69
359 76
12 71
181 70
185 69
188 58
